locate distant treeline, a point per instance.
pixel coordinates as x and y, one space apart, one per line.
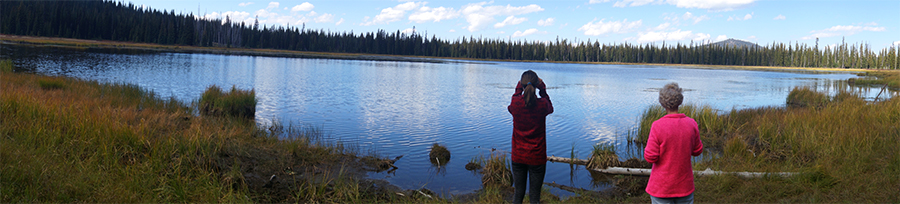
108 20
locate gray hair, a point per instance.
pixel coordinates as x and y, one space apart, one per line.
670 96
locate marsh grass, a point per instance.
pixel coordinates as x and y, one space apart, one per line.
879 78
845 148
7 66
235 103
806 97
708 120
603 155
52 83
95 142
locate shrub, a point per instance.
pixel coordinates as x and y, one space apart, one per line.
236 103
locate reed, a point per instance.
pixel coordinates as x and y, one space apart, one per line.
603 155
235 103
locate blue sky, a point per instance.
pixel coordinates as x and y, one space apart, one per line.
875 22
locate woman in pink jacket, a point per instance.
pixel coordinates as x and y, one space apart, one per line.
674 138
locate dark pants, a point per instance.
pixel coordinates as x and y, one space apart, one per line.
535 174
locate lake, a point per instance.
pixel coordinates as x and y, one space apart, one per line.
402 108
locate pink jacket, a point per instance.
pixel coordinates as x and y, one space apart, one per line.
674 138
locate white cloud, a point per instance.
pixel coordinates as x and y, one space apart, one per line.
713 5
687 16
546 22
600 27
721 38
324 18
662 26
854 28
408 31
501 32
623 3
511 20
896 43
779 17
425 14
746 17
452 30
526 32
696 19
478 15
393 13
678 35
843 30
752 38
234 16
339 22
242 4
305 6
272 5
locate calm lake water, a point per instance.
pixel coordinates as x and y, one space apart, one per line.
402 108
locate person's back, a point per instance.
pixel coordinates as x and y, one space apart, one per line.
674 138
529 140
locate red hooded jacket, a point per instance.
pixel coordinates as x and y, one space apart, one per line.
529 139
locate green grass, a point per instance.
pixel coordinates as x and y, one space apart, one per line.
52 83
235 103
96 142
6 66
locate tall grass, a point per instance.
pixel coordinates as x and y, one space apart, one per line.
845 147
93 142
708 119
235 103
6 66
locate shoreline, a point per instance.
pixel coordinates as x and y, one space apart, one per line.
106 44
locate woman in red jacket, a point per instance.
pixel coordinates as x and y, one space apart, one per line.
674 138
529 142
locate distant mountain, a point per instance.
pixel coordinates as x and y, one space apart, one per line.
731 42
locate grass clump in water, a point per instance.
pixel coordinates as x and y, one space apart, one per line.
806 97
603 155
235 103
439 154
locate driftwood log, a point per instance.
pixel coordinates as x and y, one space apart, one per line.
646 172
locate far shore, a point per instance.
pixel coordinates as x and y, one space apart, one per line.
106 44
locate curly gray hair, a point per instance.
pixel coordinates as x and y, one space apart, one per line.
670 96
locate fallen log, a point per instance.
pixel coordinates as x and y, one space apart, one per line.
646 172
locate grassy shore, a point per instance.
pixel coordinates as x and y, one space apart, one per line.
83 141
844 147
